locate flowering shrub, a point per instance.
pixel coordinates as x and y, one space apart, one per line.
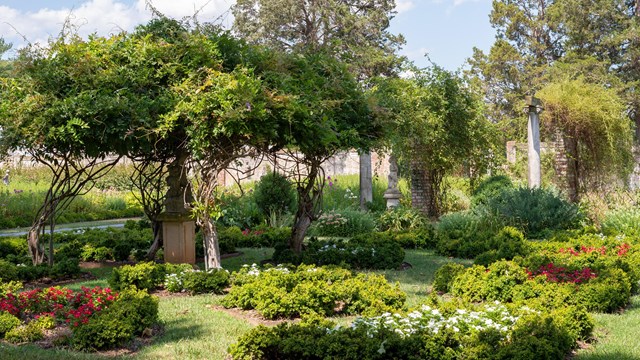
343 223
281 292
489 333
556 274
132 313
198 282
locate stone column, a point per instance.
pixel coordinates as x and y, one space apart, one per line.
392 194
178 228
533 140
366 180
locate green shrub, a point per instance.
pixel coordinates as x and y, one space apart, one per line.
535 211
401 218
69 250
7 323
537 337
424 334
489 188
232 237
45 322
463 234
343 223
12 246
493 283
445 275
24 333
200 282
286 293
9 271
145 275
9 287
625 222
274 194
128 316
368 251
505 245
65 268
609 292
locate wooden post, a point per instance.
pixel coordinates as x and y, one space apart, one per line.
534 107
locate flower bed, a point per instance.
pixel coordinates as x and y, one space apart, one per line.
25 315
282 292
490 332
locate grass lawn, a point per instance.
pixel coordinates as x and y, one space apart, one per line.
193 330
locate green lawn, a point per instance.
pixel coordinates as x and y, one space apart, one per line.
193 330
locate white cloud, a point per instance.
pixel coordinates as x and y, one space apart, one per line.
404 5
103 17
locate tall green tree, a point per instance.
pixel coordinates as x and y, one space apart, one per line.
326 112
438 126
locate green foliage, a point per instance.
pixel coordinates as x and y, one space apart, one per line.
8 270
464 234
45 322
305 290
144 275
535 211
625 222
24 333
258 237
7 323
445 275
489 188
12 246
436 126
521 335
9 287
505 245
343 223
132 313
593 116
401 218
367 251
274 194
200 282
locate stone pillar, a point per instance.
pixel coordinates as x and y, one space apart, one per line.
533 140
178 229
512 152
392 194
366 180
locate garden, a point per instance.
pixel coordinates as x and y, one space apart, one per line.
449 250
480 283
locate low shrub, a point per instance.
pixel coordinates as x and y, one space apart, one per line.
7 287
625 222
489 188
463 234
445 275
200 282
24 333
505 245
232 237
12 246
8 322
551 285
343 223
536 212
145 275
128 316
368 251
490 333
401 219
281 292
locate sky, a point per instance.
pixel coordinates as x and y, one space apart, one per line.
446 30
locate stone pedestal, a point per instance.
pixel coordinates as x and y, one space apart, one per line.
393 198
179 233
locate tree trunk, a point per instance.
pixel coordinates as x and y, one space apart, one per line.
156 226
33 240
300 226
308 197
424 194
211 245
